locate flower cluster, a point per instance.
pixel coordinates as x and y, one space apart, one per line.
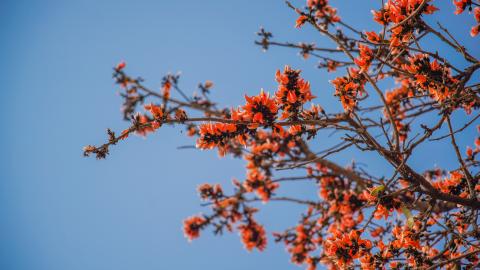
325 13
343 202
253 235
365 58
300 21
431 76
407 238
292 92
229 212
396 11
143 125
209 192
261 109
193 225
343 248
348 88
220 135
257 181
303 240
461 5
373 37
455 184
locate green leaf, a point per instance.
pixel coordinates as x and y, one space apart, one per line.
408 215
377 190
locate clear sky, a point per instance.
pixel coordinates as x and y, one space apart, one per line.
59 210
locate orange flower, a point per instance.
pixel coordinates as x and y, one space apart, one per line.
218 135
300 21
257 181
380 16
426 72
260 109
345 248
166 89
156 111
292 91
192 131
323 11
144 127
469 151
192 227
395 11
348 88
376 232
120 66
295 129
332 65
381 212
180 115
208 191
373 37
461 5
124 134
253 236
365 58
474 31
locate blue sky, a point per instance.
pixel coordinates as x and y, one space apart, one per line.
60 210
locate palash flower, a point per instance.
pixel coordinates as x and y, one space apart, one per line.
323 10
300 21
302 245
431 76
346 247
258 182
461 5
455 184
156 111
404 238
348 88
120 66
192 131
215 134
365 58
395 11
373 37
292 88
144 128
253 235
192 226
475 29
210 192
332 65
292 92
260 109
295 129
166 86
